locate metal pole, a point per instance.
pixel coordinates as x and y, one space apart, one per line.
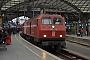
0 12
0 18
56 7
24 12
24 9
33 8
43 10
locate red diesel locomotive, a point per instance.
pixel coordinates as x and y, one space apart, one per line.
46 30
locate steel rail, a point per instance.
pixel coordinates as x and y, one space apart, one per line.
71 55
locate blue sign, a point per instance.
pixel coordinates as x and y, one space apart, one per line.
68 25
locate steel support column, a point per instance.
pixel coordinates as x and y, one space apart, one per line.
73 6
84 24
33 8
0 12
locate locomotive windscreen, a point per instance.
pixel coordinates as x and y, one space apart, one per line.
57 21
46 21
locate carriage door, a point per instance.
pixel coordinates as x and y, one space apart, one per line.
30 27
25 28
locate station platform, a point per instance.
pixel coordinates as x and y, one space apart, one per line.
20 49
78 45
84 37
85 40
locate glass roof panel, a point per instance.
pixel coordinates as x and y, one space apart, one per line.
3 8
86 9
10 3
15 0
72 5
7 6
76 2
81 4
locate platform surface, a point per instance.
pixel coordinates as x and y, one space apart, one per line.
84 37
22 50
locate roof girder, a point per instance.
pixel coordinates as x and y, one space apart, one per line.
3 2
66 2
69 3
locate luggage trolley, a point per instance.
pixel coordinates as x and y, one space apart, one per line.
2 45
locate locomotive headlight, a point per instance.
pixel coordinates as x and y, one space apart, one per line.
53 26
60 35
44 35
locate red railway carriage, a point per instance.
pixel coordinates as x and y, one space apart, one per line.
46 30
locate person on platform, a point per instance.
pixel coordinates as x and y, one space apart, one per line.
81 32
3 35
9 30
1 41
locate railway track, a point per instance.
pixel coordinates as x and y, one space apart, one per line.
83 44
84 41
67 55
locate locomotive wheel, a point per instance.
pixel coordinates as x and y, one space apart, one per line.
28 39
35 43
39 44
58 48
32 40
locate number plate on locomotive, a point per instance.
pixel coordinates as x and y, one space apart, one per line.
53 33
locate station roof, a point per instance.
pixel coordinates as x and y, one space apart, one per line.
49 5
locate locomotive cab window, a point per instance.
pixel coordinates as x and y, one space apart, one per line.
46 21
57 21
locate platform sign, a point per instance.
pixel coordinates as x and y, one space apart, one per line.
0 20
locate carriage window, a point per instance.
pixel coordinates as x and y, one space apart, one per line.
46 21
57 21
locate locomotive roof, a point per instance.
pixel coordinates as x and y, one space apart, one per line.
50 15
37 17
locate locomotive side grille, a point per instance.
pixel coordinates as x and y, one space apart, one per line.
52 34
51 39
